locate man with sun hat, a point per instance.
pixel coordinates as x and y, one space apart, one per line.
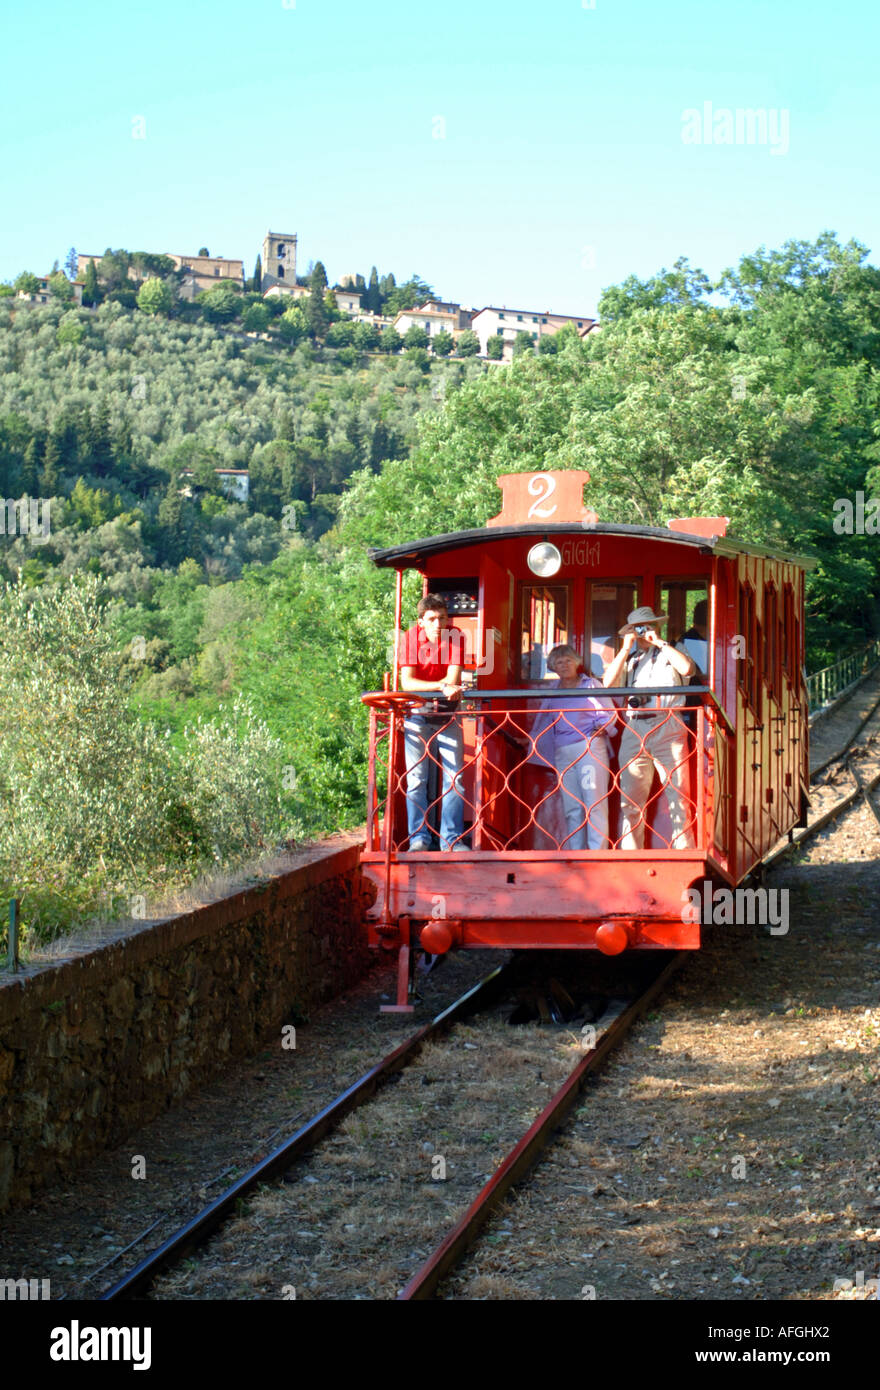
654 739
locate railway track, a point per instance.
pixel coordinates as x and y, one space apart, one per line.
817 771
611 1028
196 1231
526 1151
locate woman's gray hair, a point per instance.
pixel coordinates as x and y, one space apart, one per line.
563 650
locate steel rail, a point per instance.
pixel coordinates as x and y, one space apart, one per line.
837 757
526 1152
865 790
861 790
201 1226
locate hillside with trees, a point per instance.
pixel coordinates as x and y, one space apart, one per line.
103 410
119 417
756 398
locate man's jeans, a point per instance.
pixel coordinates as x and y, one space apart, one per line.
428 741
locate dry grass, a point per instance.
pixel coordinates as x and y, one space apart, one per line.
178 898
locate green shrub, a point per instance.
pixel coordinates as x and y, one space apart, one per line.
99 806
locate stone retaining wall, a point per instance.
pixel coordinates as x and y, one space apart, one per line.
94 1046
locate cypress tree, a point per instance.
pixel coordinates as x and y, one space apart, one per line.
316 310
122 439
374 298
170 518
66 436
35 448
97 446
288 475
30 469
258 274
50 477
316 314
91 292
379 446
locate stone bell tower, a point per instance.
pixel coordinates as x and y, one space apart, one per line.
279 259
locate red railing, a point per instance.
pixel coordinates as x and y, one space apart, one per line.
511 771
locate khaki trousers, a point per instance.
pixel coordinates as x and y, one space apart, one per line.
648 746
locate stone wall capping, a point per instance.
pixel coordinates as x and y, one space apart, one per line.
310 866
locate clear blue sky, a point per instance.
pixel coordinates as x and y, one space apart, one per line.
562 168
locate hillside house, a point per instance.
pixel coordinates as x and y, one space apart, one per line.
348 301
462 316
292 291
207 271
433 321
505 323
82 263
44 294
235 482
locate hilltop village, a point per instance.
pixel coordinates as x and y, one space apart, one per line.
490 331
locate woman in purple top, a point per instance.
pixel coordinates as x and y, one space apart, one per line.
569 735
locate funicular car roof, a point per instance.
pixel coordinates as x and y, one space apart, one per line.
414 552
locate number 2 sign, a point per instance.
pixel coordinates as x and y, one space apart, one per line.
527 498
541 486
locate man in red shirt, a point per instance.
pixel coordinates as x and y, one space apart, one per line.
431 659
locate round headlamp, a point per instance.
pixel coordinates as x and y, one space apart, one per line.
544 560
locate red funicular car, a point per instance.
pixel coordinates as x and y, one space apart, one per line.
546 572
